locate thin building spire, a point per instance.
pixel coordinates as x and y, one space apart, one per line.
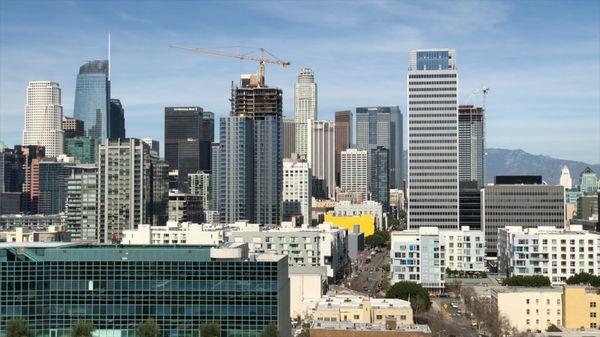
109 56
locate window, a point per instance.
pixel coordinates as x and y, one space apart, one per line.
527 302
403 317
527 312
592 314
356 317
592 304
379 316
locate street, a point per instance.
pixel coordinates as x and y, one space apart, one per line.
366 277
456 316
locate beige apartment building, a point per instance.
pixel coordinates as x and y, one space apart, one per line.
530 309
358 309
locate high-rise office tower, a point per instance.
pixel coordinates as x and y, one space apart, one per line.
31 166
321 156
250 160
189 132
154 145
379 176
116 119
92 97
131 186
297 195
343 138
288 137
214 175
305 104
184 207
565 178
43 117
200 185
471 144
53 185
520 201
354 171
432 139
588 181
82 202
72 127
382 126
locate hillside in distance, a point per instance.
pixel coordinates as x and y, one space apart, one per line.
519 162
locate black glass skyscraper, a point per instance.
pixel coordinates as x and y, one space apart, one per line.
116 119
189 133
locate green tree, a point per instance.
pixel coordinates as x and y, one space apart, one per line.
413 292
270 331
82 329
378 239
534 281
212 329
585 279
17 327
553 328
148 328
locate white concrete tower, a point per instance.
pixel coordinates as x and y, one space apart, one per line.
354 171
432 139
43 117
305 108
565 178
297 190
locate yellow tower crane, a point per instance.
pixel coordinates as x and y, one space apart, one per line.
261 60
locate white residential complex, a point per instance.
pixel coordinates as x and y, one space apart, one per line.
200 184
185 233
297 196
321 246
346 208
432 139
422 255
43 117
321 153
354 171
305 104
553 252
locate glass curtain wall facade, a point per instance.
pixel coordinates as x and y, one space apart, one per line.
92 97
116 288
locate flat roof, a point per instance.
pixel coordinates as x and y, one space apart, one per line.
368 327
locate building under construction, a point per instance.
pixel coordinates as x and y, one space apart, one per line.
255 101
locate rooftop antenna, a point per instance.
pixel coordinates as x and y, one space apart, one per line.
109 56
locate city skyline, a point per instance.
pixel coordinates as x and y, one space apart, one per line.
494 47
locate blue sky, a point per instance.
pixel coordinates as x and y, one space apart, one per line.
541 59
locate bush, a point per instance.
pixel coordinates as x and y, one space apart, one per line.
534 281
212 329
148 328
552 328
413 292
378 239
584 279
82 329
17 327
270 331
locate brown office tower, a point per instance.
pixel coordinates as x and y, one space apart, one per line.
31 166
343 138
72 127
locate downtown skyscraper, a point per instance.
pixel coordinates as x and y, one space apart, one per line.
343 138
250 155
471 144
43 117
92 99
305 109
432 139
382 126
189 133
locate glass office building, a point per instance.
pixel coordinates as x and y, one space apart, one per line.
52 285
92 97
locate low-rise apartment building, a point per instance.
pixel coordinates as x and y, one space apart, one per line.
422 255
581 307
347 208
324 245
359 309
530 309
36 234
175 233
553 252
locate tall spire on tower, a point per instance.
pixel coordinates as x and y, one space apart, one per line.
109 56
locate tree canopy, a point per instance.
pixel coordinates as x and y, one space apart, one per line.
378 239
270 331
148 328
212 329
413 292
17 327
534 281
585 279
82 329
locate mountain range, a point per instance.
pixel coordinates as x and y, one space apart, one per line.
519 162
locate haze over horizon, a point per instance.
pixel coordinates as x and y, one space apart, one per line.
543 99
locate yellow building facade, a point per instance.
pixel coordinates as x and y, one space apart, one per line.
581 307
357 309
365 222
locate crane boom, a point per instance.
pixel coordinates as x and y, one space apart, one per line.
261 60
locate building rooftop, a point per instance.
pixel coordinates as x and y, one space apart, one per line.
528 290
368 327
